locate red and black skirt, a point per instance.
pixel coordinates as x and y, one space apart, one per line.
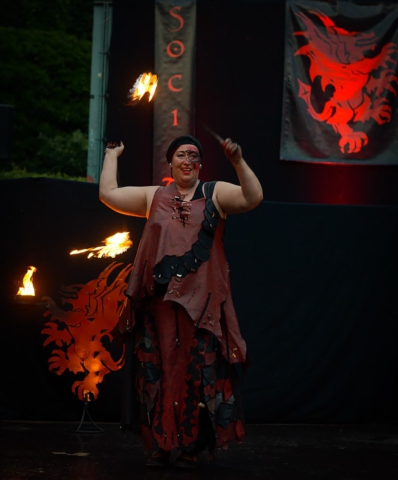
188 395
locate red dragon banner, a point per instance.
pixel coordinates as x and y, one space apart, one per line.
340 100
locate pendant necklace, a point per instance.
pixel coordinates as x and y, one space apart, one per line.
184 195
181 208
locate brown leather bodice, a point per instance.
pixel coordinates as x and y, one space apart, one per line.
182 248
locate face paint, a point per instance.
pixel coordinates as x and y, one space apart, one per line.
190 156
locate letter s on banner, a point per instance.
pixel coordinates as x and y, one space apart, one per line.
178 17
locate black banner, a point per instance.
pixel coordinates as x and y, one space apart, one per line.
340 83
174 109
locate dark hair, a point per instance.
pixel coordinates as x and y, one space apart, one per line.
183 140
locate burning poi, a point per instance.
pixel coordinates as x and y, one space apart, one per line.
146 82
114 245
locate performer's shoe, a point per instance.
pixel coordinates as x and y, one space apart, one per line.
158 459
186 461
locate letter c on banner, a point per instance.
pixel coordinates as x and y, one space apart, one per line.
177 50
180 19
170 83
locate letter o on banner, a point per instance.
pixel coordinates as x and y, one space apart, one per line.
175 49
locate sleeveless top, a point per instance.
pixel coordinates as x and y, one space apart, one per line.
182 249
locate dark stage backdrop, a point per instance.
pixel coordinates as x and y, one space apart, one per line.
314 287
239 86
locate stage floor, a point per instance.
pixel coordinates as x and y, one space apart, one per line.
37 450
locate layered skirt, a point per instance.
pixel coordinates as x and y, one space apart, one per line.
188 394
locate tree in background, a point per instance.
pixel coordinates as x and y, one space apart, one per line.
45 60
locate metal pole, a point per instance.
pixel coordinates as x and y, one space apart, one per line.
102 29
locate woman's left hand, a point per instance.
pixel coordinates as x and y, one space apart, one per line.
232 151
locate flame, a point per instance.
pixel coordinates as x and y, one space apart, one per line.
114 245
167 180
146 82
27 288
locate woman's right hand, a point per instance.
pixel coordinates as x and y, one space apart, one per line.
114 148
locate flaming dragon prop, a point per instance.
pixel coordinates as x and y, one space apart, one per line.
81 330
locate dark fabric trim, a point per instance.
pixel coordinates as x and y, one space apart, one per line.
180 266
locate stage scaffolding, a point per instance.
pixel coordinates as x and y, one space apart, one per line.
102 29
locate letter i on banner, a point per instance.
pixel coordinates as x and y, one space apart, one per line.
174 106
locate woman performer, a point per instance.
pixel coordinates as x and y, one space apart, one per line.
186 336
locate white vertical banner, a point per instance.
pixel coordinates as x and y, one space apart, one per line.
174 102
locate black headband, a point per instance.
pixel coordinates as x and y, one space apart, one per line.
183 140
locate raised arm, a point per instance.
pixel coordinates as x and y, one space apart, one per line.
240 198
135 201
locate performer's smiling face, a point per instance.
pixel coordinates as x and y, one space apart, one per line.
186 163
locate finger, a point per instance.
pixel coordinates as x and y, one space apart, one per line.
233 147
230 145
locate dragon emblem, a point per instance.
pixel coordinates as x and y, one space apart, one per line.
355 76
82 329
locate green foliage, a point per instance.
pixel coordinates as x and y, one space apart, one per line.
16 172
65 153
73 17
46 76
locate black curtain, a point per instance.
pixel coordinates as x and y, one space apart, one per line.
314 287
239 89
